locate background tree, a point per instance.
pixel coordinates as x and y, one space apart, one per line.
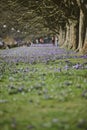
67 18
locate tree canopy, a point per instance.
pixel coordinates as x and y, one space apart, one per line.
36 17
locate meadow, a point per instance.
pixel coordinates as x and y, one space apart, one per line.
49 95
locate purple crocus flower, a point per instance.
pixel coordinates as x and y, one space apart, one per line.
77 66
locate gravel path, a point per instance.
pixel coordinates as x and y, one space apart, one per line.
33 53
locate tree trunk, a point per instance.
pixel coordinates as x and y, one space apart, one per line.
85 37
61 37
73 43
82 30
67 38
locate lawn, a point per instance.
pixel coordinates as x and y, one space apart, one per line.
44 96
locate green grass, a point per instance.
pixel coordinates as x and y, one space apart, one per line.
50 97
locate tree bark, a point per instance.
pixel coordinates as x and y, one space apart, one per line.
67 38
82 30
73 43
61 36
82 24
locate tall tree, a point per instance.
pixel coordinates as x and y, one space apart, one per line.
82 4
67 18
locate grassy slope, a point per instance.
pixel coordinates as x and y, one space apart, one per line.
43 96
